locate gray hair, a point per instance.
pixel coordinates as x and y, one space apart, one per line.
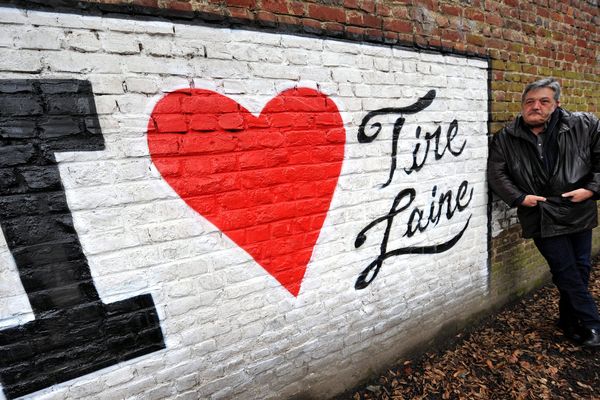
543 83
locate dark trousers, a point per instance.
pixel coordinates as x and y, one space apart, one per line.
569 259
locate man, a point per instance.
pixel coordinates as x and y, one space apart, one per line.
547 164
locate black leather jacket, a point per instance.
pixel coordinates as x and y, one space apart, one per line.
516 169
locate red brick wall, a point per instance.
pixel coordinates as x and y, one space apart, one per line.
524 39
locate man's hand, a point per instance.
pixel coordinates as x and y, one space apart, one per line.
579 195
531 200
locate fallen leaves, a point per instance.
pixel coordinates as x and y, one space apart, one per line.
583 385
517 354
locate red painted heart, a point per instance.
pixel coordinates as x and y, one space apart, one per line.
266 181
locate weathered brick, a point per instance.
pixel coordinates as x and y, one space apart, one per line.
241 3
274 6
179 5
326 13
448 9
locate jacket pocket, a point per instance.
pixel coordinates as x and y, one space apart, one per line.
558 214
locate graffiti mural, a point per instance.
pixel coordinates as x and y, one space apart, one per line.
74 332
265 181
207 211
419 219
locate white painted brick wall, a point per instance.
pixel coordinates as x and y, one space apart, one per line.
231 330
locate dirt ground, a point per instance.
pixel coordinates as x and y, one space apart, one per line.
516 354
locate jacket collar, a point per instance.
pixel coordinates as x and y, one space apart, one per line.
515 128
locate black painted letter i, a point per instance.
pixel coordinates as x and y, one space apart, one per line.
73 332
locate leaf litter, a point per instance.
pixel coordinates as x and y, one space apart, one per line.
517 353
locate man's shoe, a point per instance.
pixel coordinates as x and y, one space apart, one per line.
592 338
572 332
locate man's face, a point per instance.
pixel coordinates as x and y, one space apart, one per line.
538 105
